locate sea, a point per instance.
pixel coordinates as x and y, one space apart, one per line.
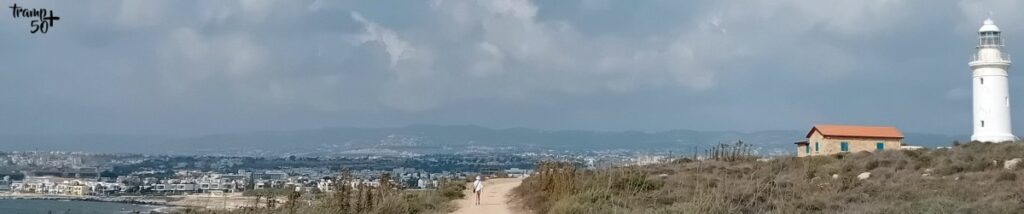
29 206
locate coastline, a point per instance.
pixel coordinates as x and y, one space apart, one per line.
159 205
142 200
166 203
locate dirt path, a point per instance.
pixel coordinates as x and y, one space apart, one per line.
494 199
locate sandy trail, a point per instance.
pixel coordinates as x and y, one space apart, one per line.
494 199
227 201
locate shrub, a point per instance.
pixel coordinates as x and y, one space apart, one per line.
962 180
1006 176
385 198
634 181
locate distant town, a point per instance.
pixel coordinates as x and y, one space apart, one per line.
57 173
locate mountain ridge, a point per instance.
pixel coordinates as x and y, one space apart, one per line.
422 139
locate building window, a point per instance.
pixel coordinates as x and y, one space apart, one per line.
879 146
982 79
807 150
982 123
844 146
815 147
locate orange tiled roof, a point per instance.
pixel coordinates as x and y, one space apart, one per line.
857 131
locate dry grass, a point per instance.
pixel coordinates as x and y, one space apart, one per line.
966 179
383 199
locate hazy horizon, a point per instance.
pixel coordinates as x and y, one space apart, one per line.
192 68
441 125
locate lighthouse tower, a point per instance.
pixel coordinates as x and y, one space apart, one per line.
991 87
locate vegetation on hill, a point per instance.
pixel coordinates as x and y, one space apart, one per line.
968 178
384 199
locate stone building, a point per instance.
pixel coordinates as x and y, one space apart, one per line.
835 139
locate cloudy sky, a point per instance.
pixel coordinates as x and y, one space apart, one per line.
199 67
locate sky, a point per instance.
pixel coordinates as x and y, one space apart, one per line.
203 67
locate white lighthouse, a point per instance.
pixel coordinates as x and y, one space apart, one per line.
991 87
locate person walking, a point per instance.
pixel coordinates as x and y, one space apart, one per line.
478 186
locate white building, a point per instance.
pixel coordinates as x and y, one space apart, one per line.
176 186
64 186
991 88
325 185
220 183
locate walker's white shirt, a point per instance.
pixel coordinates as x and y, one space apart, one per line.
478 185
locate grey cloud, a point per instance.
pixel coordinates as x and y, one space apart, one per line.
189 67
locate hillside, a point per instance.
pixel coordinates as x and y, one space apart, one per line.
968 178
